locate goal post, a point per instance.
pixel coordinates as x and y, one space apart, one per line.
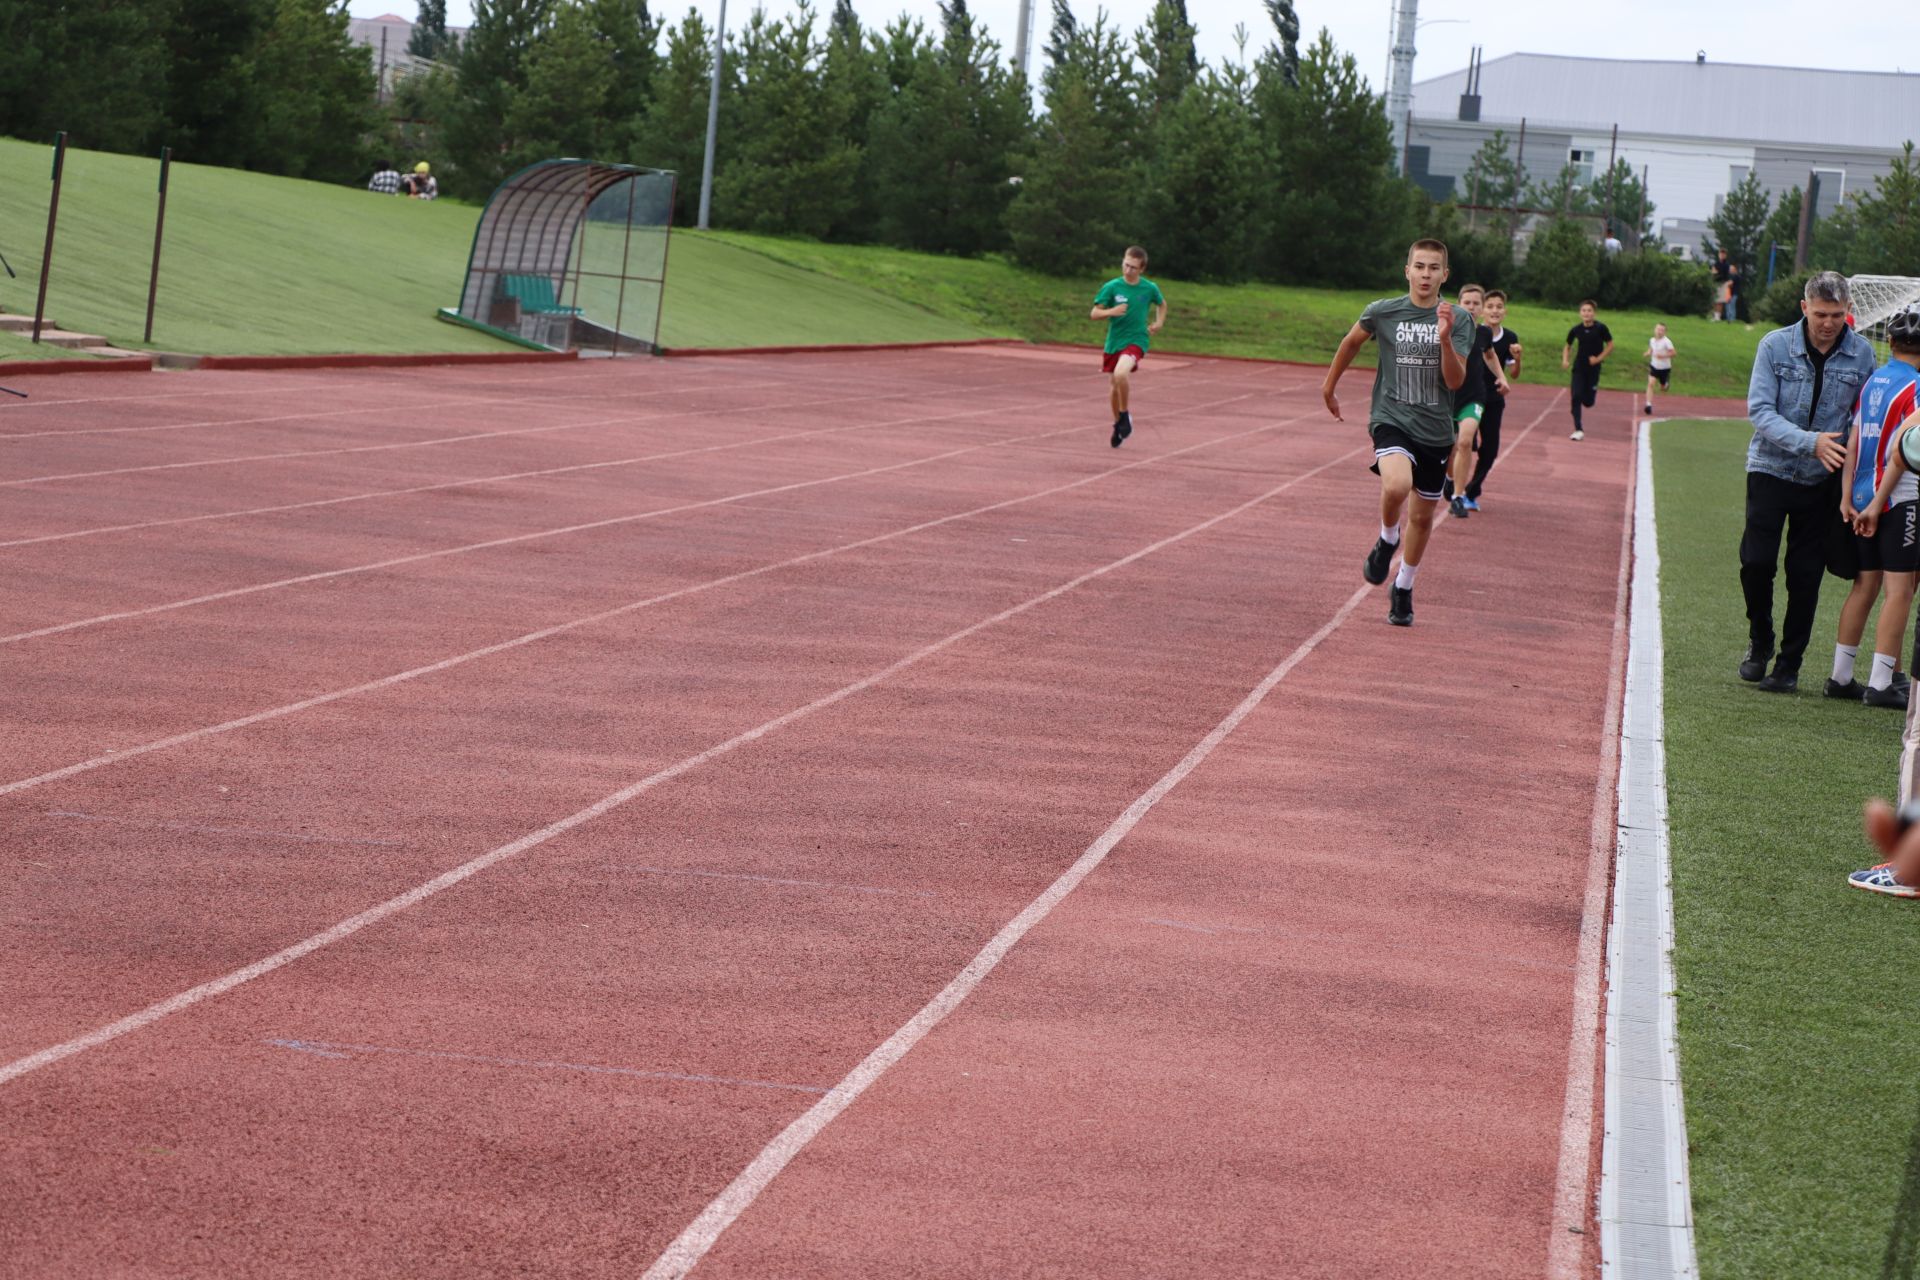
1876 299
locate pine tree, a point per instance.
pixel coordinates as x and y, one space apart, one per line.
630 38
1737 227
1783 227
429 37
558 110
489 68
1165 47
1619 195
855 72
314 114
210 96
675 133
95 68
1201 217
1889 221
1565 195
1286 24
1492 181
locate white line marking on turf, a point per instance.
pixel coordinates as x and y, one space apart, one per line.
799 884
154 825
274 713
699 1236
1572 1205
536 535
447 879
323 1049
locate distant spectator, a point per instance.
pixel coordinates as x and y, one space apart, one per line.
1612 243
1722 283
420 183
386 180
1806 378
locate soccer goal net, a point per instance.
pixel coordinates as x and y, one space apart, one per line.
1878 298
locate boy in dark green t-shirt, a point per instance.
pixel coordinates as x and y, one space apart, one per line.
1123 303
1424 344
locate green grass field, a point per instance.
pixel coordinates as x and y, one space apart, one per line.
270 266
1799 1044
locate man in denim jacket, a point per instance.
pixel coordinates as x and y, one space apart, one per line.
1806 378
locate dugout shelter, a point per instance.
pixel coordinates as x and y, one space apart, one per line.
571 255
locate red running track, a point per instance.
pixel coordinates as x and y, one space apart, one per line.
459 820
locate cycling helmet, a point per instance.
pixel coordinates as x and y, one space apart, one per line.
1903 327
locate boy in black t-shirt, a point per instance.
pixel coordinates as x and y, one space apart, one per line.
1588 344
1503 347
1469 404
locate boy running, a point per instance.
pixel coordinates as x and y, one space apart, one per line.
1123 303
1659 356
1594 342
1470 403
1878 479
1504 355
1423 361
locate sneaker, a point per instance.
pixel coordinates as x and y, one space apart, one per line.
1375 570
1783 680
1118 434
1852 690
1125 425
1880 880
1892 696
1648 409
1457 508
1578 434
1754 665
1471 504
1400 606
1901 682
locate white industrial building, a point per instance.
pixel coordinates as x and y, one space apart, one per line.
1696 129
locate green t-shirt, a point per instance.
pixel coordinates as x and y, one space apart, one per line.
1129 330
1407 389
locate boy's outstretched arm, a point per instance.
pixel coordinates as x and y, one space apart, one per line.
1342 357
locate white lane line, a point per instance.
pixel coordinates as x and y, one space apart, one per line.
618 420
531 637
325 1049
779 880
510 476
1573 1208
699 1236
203 829
447 879
656 513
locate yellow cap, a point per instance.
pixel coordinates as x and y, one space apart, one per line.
421 167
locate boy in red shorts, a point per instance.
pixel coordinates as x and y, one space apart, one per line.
1124 303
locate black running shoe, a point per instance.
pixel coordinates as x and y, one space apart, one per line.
1851 691
1400 606
1457 508
1754 665
1118 434
1892 696
1378 559
1126 424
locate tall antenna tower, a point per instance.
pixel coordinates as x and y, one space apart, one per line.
1406 21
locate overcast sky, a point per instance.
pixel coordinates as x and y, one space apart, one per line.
1774 32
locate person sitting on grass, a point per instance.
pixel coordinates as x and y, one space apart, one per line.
386 180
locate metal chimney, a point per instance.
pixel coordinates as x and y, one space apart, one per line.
1406 21
1470 100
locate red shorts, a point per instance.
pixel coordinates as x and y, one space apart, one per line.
1112 358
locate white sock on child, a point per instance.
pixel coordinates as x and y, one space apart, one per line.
1843 656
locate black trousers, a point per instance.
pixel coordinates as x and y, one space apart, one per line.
1489 443
1804 511
1586 387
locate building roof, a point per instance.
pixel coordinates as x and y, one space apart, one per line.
1802 106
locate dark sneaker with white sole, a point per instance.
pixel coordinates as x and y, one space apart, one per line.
1378 561
1852 690
1400 606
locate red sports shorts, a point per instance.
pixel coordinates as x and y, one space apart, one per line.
1112 358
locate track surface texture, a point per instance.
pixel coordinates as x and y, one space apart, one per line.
457 820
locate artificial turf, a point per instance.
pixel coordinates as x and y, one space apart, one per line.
1798 1036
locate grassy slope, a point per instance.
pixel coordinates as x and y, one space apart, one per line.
1798 1039
1244 320
263 265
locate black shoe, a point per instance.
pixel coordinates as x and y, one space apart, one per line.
1400 606
1125 425
1901 682
1457 508
1754 665
1852 690
1378 559
1892 696
1781 680
1118 434
1446 490
1649 409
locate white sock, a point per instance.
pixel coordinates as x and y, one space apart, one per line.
1390 535
1882 671
1404 579
1843 656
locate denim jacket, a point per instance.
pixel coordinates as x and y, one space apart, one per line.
1780 401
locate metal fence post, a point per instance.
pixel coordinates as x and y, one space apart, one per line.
159 226
53 216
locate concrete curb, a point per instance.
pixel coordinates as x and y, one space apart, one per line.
17 368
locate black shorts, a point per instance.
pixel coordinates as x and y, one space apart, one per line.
1429 461
1659 375
1895 544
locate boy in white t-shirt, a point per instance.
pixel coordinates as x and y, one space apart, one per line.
1659 355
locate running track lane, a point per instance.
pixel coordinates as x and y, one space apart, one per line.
819 792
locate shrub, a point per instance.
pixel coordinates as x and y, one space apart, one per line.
1563 264
1780 305
1656 281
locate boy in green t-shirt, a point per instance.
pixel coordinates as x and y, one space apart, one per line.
1123 303
1424 345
